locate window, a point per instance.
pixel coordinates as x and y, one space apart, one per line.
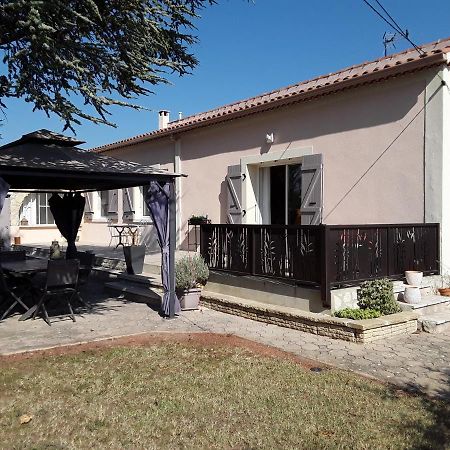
104 203
35 210
144 208
280 194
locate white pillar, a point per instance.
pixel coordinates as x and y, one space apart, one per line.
437 159
177 169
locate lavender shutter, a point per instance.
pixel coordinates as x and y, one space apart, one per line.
113 202
312 190
234 189
128 203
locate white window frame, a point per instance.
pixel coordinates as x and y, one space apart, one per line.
29 210
97 207
250 165
138 197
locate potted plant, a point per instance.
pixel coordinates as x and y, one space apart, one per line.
445 285
198 220
191 274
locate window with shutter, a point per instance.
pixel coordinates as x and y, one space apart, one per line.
128 203
234 190
312 189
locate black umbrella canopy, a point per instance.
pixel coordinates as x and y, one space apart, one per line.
44 160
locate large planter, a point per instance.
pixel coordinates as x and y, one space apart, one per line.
189 298
413 277
412 294
134 258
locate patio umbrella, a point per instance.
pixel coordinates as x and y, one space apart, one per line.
157 199
68 213
4 188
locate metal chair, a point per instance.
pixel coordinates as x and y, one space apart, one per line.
113 233
62 281
86 263
8 293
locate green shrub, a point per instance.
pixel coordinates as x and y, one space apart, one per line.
191 272
378 295
357 314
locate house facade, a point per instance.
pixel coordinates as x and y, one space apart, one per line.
368 144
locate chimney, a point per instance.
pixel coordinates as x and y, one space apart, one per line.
163 119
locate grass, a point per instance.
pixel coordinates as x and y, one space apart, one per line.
185 396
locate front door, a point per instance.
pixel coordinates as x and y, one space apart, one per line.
285 194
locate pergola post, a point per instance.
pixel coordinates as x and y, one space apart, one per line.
172 245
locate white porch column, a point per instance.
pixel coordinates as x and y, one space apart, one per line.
177 169
437 159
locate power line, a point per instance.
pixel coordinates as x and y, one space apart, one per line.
393 24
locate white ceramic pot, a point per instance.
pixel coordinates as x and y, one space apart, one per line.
414 277
412 294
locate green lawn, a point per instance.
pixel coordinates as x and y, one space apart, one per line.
189 396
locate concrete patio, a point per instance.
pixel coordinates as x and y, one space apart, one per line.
418 361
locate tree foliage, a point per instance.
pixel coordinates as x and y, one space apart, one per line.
106 51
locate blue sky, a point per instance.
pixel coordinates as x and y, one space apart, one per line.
247 48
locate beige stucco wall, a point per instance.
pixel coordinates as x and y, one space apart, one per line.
379 125
353 130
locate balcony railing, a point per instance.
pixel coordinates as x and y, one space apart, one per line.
322 256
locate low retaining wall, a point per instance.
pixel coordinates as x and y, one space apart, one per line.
361 331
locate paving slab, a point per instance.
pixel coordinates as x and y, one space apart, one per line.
418 361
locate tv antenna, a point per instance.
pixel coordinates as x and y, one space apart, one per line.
389 40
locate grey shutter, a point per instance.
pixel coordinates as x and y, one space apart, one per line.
112 202
234 188
89 205
128 203
312 190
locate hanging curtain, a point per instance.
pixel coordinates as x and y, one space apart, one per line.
4 188
157 200
68 213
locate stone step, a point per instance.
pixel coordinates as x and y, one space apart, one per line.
135 292
429 304
434 323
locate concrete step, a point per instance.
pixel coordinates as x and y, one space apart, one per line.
435 322
135 292
430 304
144 279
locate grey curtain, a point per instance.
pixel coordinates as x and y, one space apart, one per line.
68 212
157 199
4 188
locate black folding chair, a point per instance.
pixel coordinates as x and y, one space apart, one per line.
86 263
8 294
62 282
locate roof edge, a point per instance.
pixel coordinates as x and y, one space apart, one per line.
434 58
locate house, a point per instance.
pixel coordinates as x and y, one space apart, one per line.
365 145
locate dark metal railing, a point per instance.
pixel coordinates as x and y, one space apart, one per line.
325 256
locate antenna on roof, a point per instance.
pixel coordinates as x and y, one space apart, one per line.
389 39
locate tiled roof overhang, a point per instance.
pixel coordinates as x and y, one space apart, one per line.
363 74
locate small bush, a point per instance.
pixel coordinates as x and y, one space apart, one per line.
357 314
191 272
378 295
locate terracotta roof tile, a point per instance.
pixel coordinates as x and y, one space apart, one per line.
407 58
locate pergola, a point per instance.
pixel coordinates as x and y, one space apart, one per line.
44 161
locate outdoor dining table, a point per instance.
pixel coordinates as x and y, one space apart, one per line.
132 230
26 268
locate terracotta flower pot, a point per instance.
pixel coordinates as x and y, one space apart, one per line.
444 291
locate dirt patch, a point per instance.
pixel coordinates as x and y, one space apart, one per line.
143 340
